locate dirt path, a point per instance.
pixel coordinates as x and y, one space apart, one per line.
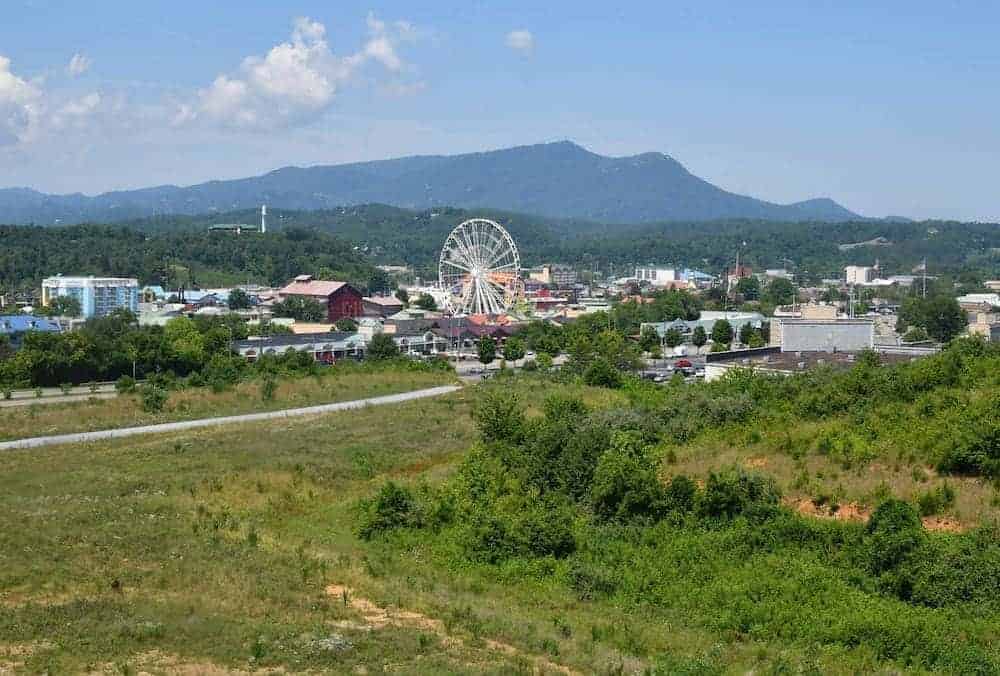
376 617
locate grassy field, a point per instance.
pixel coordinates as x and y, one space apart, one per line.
234 549
202 402
213 549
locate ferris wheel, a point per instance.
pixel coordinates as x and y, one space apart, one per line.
480 268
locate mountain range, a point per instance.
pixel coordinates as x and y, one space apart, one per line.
559 180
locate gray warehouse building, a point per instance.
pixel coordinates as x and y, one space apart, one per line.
827 335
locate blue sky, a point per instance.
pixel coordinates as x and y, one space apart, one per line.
888 110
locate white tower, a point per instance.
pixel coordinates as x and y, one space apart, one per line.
263 218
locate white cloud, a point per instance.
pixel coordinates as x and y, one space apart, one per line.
521 41
21 107
295 80
78 65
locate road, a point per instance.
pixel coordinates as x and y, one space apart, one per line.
78 437
55 395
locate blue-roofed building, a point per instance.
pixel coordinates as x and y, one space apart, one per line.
15 326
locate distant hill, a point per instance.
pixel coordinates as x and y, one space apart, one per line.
560 180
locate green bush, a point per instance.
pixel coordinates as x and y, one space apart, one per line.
154 398
7 393
601 373
893 532
936 501
625 486
735 491
66 388
393 507
499 417
268 387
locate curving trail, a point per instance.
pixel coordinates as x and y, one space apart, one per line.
78 437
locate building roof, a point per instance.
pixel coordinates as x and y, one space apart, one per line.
387 301
305 285
22 323
282 341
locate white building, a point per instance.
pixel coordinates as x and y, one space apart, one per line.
860 274
656 276
98 296
827 335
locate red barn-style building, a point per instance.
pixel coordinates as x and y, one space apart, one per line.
340 298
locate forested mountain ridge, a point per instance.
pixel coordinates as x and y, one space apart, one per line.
560 180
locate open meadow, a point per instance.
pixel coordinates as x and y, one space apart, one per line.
126 410
375 540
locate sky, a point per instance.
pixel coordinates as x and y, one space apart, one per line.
889 109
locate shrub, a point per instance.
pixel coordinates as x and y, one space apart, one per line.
530 365
154 398
382 347
499 416
38 393
7 393
600 373
936 500
893 532
735 492
393 507
625 485
544 360
680 494
268 387
66 388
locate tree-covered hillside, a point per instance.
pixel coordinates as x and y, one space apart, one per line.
173 258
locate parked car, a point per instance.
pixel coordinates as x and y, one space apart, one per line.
683 364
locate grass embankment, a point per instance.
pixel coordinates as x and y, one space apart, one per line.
331 385
212 549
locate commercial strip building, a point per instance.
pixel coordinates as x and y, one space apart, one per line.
706 321
325 347
98 296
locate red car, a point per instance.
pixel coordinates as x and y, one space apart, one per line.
683 364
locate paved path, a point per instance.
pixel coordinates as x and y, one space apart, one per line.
78 437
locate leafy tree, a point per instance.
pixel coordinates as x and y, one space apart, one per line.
487 349
722 332
346 324
239 300
648 339
300 308
382 347
513 348
63 306
747 332
403 295
673 337
940 316
749 288
698 336
893 533
780 291
378 282
425 301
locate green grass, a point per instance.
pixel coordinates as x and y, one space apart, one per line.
211 549
201 402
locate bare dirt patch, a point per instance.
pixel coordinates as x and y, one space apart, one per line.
376 617
755 463
943 524
850 511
